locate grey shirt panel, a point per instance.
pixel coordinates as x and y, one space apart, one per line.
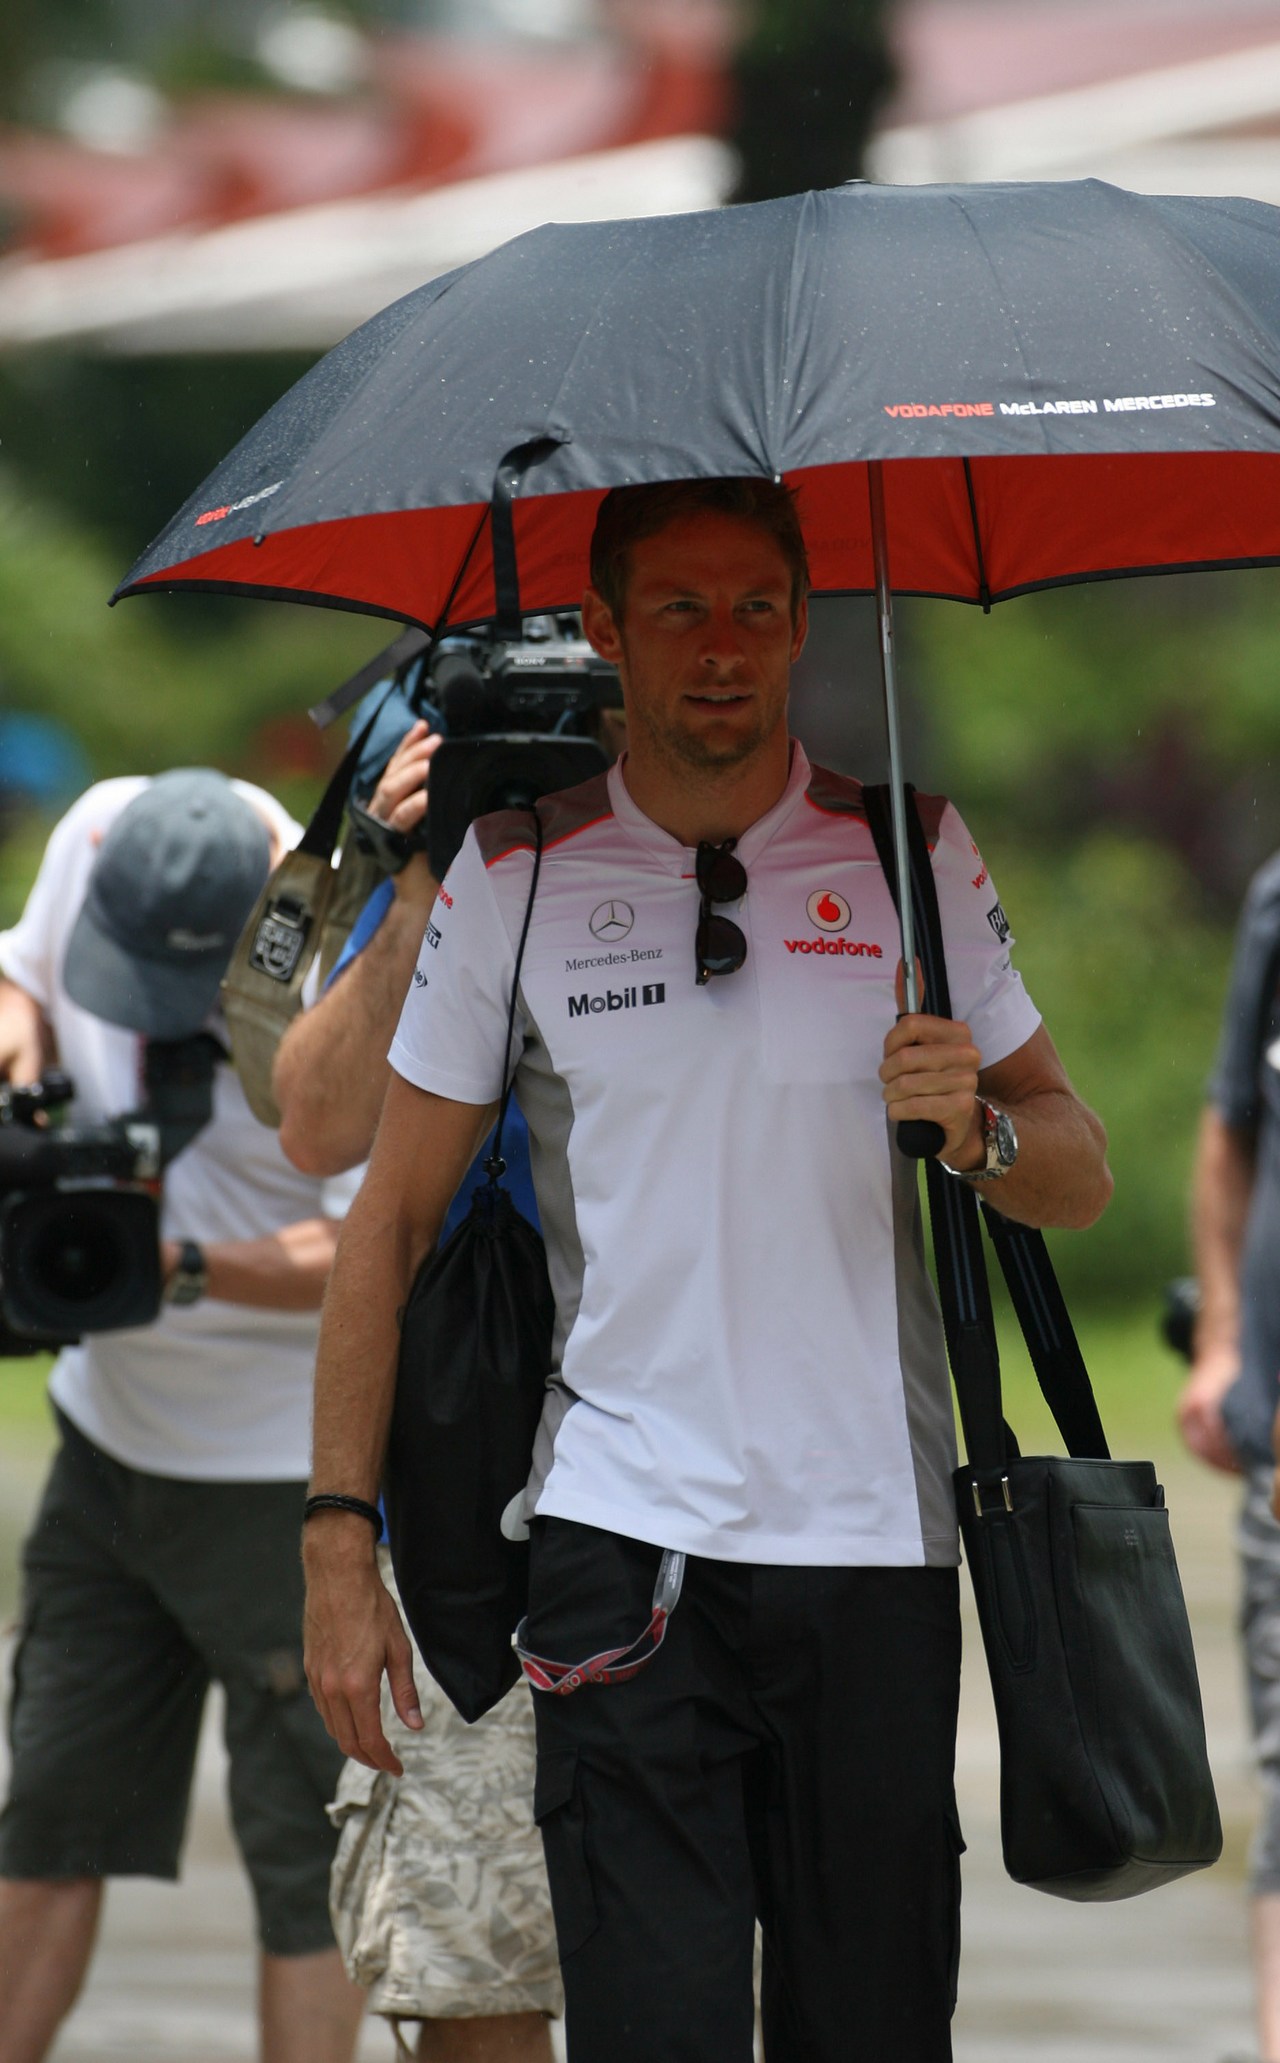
922 1357
548 1110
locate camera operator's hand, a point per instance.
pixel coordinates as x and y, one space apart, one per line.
1199 1408
351 1633
400 800
26 1043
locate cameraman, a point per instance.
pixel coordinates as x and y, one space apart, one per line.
164 1552
331 1069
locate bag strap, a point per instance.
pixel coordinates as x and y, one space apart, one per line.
495 1166
968 1319
321 834
963 1291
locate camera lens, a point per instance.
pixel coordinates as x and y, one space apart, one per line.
80 1260
77 1255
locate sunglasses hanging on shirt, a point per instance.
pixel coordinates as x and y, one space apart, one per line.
720 945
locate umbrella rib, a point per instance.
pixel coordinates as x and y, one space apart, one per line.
984 591
1014 331
589 329
442 621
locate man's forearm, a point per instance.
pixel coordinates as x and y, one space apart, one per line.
282 1271
1221 1189
356 1359
352 1631
1060 1177
330 1074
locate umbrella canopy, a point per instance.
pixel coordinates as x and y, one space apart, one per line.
1069 381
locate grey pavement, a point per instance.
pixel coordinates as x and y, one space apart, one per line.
1162 1977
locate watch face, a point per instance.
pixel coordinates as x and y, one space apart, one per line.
1006 1139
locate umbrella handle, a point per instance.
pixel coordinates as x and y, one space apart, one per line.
919 1138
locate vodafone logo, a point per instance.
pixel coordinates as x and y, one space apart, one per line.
850 948
827 910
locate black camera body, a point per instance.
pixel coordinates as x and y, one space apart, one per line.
80 1204
516 718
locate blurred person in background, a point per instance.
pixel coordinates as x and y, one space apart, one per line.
164 1552
1229 1401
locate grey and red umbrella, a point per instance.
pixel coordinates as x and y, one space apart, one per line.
976 391
1064 381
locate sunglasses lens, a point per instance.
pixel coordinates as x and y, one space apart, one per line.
721 947
721 877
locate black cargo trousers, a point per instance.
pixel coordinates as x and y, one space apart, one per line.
787 1754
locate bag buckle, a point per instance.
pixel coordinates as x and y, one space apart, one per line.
977 1496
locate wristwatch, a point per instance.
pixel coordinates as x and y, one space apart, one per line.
190 1278
1001 1143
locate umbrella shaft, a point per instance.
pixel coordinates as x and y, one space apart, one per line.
888 676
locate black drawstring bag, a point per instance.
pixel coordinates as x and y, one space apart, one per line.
475 1353
1105 1787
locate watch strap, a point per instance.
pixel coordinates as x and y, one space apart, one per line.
190 1278
995 1165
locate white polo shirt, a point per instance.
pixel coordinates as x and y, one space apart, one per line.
749 1361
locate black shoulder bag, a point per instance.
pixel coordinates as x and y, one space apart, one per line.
475 1353
1105 1787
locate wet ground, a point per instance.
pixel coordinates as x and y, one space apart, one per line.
1160 1977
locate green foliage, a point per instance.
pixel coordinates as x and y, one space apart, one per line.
120 443
179 46
1151 704
148 685
1115 750
1116 947
1135 1379
25 1418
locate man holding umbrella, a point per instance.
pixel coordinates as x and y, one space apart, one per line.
750 1396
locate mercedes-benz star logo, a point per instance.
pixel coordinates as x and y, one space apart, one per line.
612 921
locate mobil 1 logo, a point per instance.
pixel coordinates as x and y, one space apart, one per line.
635 998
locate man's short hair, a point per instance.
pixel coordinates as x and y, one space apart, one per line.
629 514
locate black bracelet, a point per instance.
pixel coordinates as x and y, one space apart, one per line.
330 1500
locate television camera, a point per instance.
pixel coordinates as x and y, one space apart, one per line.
80 1204
519 719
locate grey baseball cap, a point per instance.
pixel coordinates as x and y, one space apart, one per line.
171 889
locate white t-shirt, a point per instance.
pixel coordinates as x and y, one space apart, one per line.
215 1391
749 1359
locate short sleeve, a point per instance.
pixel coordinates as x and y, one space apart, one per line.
1247 1018
986 989
452 1034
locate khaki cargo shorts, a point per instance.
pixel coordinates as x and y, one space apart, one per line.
439 1894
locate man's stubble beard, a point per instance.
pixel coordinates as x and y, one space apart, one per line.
684 751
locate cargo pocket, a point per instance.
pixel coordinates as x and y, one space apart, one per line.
361 1900
557 1808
